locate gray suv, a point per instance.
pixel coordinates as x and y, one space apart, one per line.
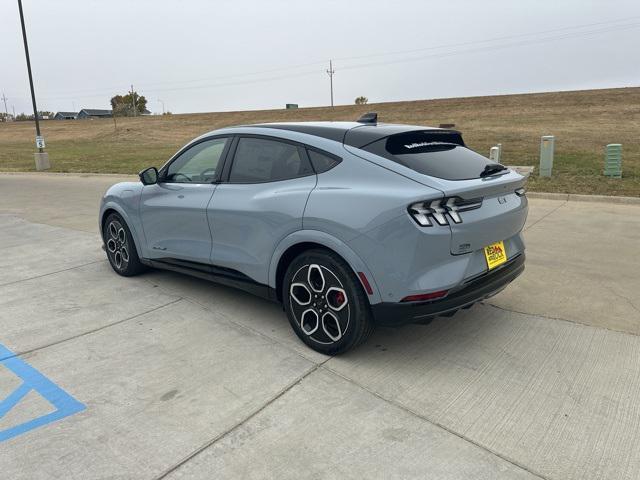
347 224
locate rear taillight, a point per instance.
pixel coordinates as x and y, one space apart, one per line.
423 297
442 210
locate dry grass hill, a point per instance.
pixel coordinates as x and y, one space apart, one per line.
582 121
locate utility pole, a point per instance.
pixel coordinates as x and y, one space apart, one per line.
331 72
42 158
133 101
162 106
4 99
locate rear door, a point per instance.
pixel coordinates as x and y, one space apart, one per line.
261 201
174 211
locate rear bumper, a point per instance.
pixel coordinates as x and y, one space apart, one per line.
396 314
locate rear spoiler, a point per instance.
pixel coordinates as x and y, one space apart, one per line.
370 131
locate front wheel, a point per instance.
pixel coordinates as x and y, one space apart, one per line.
325 303
120 247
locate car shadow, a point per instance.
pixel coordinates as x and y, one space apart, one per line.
439 340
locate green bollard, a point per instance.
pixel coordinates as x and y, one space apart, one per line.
613 160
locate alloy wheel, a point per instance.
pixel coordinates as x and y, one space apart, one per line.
319 303
117 245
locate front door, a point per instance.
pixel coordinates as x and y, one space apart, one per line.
174 211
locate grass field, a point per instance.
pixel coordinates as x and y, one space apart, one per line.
582 121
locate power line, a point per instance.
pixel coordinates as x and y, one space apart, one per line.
525 42
437 55
399 52
487 40
200 87
492 47
148 86
238 75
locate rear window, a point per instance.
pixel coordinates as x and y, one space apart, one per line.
438 153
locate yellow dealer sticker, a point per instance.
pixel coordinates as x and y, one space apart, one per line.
496 254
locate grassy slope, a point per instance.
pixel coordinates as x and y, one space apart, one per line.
583 122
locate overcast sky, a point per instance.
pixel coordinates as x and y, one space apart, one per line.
203 55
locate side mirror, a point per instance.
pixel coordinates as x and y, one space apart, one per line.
149 176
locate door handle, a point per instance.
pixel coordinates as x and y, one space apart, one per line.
180 196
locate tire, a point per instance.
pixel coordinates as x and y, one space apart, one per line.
325 303
120 247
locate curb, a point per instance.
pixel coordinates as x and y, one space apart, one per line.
72 174
566 197
574 197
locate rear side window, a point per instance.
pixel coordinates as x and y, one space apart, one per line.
260 160
440 154
321 162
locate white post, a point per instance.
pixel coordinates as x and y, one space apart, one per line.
494 154
547 147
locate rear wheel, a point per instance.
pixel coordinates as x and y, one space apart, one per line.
120 247
325 303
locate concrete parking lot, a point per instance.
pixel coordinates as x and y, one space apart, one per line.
166 376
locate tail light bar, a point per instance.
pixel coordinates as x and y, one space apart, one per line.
441 210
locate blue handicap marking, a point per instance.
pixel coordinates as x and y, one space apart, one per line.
32 380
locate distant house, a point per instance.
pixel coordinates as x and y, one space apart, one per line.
93 113
65 116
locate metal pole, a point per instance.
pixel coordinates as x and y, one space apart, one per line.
331 80
4 98
133 101
26 52
331 71
162 102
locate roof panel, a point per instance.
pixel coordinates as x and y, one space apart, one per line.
351 133
94 111
330 130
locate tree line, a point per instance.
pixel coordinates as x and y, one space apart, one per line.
23 117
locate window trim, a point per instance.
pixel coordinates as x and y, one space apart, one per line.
223 160
226 173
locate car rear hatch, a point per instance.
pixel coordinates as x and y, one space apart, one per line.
489 210
483 201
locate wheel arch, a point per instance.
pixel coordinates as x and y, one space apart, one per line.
298 242
112 207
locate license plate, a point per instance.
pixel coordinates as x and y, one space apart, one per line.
496 255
